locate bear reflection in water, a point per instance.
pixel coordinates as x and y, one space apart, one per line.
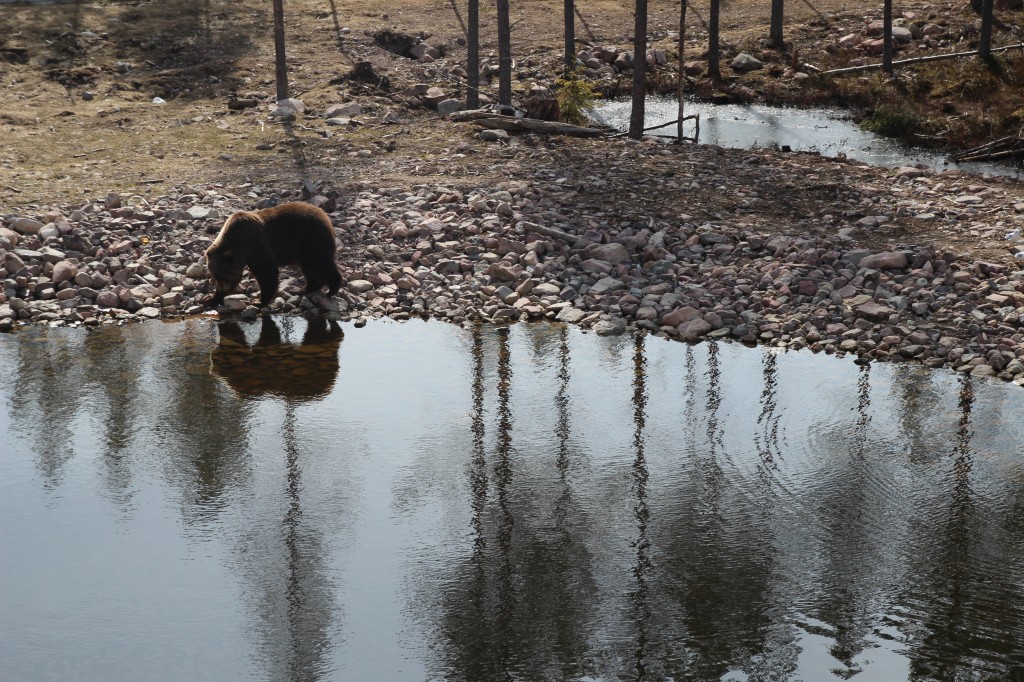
275 367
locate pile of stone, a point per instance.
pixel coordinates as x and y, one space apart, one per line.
905 32
529 249
609 61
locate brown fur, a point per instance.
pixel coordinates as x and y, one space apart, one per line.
265 240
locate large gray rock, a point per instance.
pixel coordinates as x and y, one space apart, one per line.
488 135
346 110
616 325
606 285
547 289
11 236
570 315
107 299
13 262
63 271
295 105
196 271
235 302
613 253
434 96
26 225
901 34
598 267
448 107
51 255
744 62
360 286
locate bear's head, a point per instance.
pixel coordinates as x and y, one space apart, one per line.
226 258
226 268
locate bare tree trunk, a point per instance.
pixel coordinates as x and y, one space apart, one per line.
887 36
504 54
570 36
775 32
985 39
473 54
281 62
682 71
636 116
714 52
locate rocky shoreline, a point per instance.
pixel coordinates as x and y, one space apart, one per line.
536 247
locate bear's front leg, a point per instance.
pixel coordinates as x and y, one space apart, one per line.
265 271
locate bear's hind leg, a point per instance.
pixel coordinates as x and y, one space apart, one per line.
317 276
313 285
333 280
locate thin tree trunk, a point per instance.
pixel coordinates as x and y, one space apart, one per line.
570 36
985 39
636 117
504 54
473 54
281 62
714 68
887 36
775 32
682 72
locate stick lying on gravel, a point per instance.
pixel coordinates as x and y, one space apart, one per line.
537 126
551 232
488 119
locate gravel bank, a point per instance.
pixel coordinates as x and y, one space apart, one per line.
542 245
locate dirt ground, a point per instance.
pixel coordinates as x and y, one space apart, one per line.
79 79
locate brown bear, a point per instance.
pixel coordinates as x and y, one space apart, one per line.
265 240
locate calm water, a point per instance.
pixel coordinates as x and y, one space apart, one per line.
829 132
421 502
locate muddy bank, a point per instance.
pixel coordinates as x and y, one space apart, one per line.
838 272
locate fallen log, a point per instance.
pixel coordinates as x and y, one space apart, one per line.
994 145
533 125
992 156
551 232
470 115
1003 148
916 60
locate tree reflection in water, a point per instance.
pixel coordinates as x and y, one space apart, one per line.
520 605
618 508
49 396
643 567
286 561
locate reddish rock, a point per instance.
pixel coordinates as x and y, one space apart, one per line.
680 316
612 253
503 272
807 287
693 330
874 311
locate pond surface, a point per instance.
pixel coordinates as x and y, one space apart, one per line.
830 132
285 501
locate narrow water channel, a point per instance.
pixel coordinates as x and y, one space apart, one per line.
281 500
829 132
